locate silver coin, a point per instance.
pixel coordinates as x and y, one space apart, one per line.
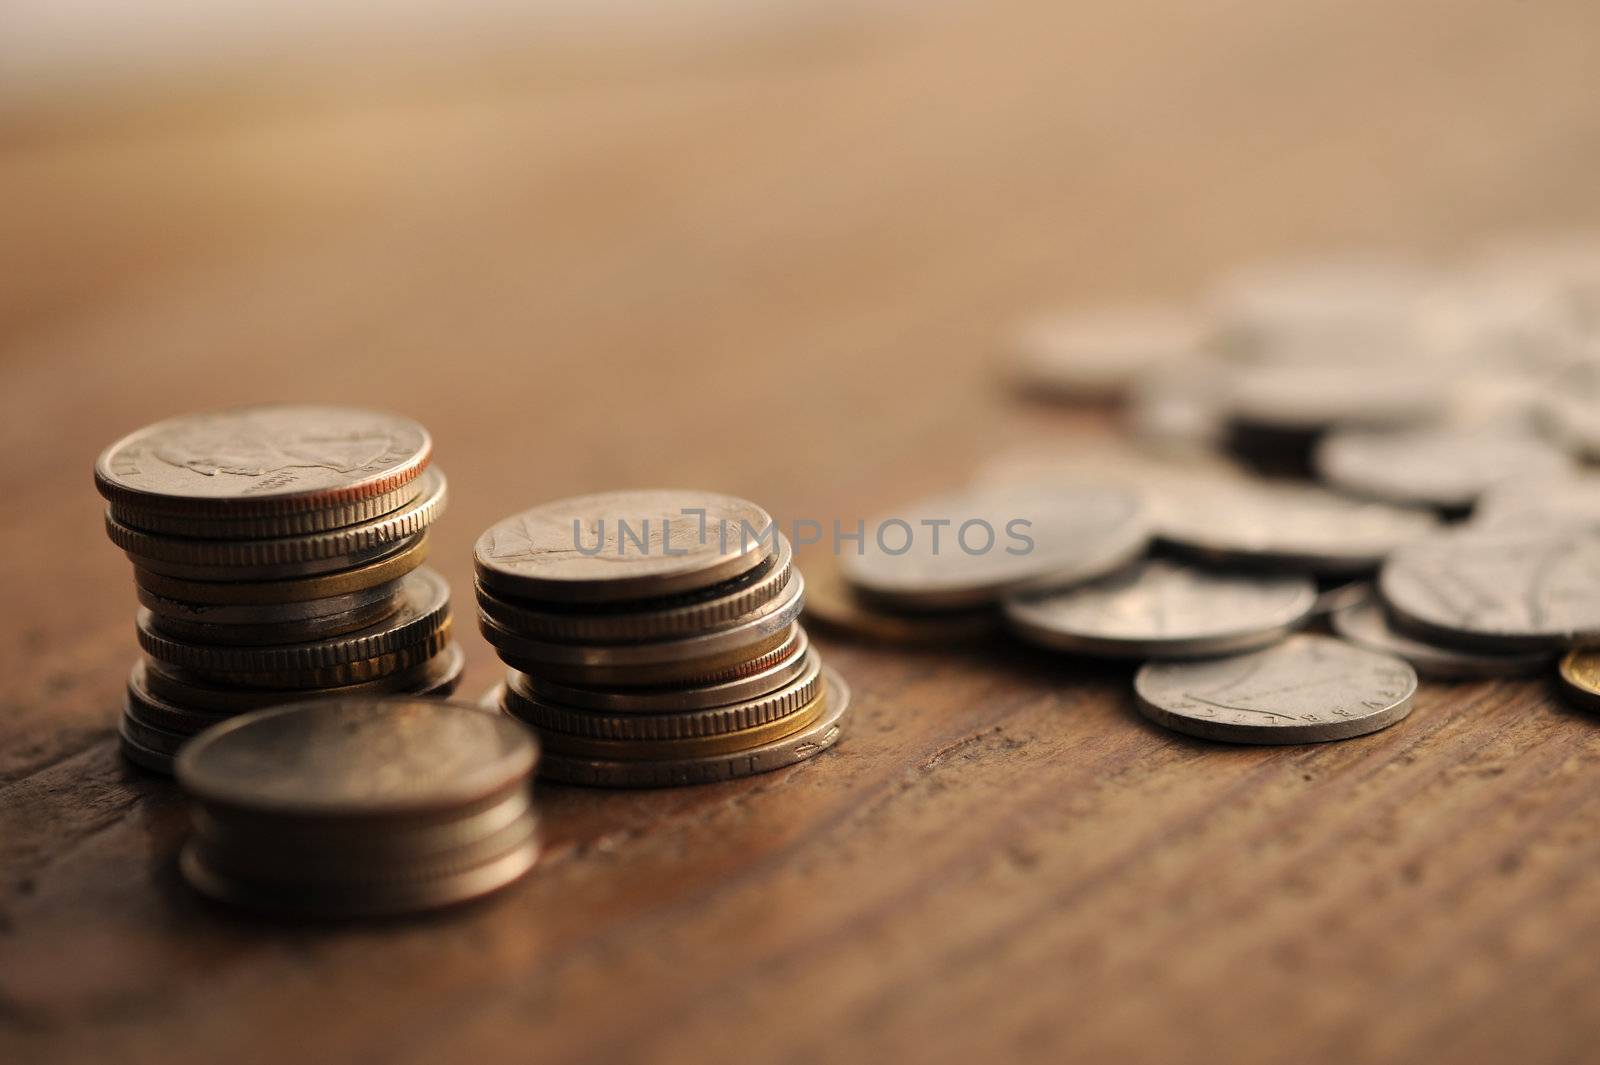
261 461
624 545
807 743
156 572
1540 504
657 619
1440 466
791 659
1178 409
1317 396
1097 354
1339 596
286 556
424 611
1284 525
220 615
1307 689
1366 624
1498 591
766 620
1162 609
324 627
1312 311
969 549
334 516
357 758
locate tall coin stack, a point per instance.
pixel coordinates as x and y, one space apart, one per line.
652 639
277 554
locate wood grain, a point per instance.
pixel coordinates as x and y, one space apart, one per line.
779 269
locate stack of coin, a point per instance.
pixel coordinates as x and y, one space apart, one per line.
359 807
652 639
276 553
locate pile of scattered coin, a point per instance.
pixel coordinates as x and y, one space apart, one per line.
359 807
277 555
1453 534
652 639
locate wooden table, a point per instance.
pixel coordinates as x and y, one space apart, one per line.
777 265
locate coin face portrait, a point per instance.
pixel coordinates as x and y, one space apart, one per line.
258 454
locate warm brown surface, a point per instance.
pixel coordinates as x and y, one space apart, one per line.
778 270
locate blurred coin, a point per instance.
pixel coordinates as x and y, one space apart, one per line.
966 550
1284 525
1178 409
288 556
810 741
1365 623
1438 466
265 460
1307 689
1539 504
1337 594
832 604
1162 609
1097 354
1498 591
624 545
1337 307
400 560
1309 398
651 619
1580 676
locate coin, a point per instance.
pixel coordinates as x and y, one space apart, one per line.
1364 623
424 610
1442 467
357 757
833 604
786 663
224 615
1162 609
1339 594
1312 397
351 512
814 739
623 545
267 460
284 556
966 550
1096 354
401 560
1315 310
652 619
1539 504
1498 591
677 724
1284 525
732 663
1307 689
1580 676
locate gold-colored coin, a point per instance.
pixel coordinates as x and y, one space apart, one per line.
831 604
1580 676
386 569
698 747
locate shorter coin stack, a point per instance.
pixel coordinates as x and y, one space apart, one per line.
652 639
359 807
276 552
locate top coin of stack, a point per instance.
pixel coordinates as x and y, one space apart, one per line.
652 639
276 552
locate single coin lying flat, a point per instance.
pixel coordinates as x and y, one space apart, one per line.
1366 624
1444 467
1307 689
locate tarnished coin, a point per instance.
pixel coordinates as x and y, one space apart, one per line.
772 671
969 549
1580 676
323 627
1283 525
1365 623
357 758
1498 591
1540 504
1307 689
1097 354
812 740
655 619
287 556
832 604
1444 467
624 545
1164 610
400 560
258 461
424 611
